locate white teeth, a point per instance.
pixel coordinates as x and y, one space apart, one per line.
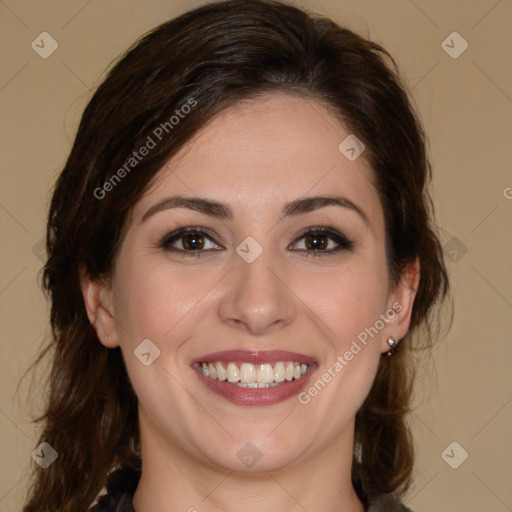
289 371
254 376
221 371
257 385
247 373
279 372
233 373
265 373
212 371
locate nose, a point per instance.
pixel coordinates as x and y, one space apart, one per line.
257 297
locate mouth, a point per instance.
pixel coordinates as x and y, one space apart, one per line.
255 378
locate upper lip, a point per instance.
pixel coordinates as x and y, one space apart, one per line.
255 357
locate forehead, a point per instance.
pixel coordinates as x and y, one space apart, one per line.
264 152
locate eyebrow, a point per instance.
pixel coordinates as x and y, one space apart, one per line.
224 212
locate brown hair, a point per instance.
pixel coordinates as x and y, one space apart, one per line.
217 55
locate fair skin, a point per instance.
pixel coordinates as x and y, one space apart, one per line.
254 158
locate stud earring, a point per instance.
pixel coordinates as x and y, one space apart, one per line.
106 338
392 345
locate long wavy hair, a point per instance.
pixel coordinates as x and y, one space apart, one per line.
220 54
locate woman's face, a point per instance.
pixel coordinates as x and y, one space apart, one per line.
254 278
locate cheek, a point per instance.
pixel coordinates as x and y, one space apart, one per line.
349 305
348 299
151 299
153 303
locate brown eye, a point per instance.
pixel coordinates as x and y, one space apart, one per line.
193 241
316 242
323 241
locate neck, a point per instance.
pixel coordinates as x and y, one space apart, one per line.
172 479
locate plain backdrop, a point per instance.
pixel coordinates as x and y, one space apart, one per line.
465 102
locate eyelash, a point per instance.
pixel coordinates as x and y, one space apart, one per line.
344 244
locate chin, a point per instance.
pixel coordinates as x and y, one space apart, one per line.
255 453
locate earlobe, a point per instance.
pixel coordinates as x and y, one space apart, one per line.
402 303
98 305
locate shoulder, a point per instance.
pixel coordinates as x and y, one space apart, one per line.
387 503
121 485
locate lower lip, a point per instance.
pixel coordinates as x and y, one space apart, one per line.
256 396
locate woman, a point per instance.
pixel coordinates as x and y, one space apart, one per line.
242 257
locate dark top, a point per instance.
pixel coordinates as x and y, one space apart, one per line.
123 482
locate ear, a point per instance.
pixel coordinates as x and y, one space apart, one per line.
401 302
97 296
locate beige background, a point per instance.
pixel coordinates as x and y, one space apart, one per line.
466 106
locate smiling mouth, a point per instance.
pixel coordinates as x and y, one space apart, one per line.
255 377
248 375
